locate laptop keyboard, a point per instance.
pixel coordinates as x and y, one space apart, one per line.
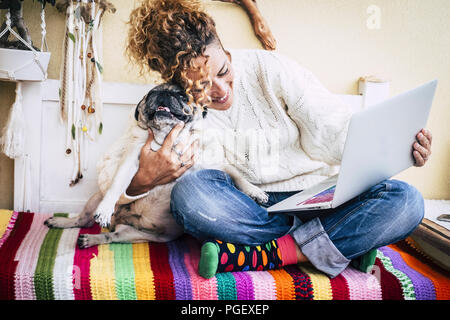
324 196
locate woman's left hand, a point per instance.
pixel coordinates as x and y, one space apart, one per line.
422 148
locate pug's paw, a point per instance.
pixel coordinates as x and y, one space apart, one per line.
103 214
88 240
57 222
255 193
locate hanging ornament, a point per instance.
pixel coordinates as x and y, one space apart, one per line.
12 141
81 102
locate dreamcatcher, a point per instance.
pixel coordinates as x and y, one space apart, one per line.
81 79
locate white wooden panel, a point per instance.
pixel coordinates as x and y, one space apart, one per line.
57 167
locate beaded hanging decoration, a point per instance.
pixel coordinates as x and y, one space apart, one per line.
81 81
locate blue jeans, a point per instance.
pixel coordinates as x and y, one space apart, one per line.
209 206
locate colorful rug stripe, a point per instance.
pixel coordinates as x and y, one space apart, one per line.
440 282
124 270
9 227
264 285
161 269
302 283
8 252
81 266
370 288
423 287
145 289
5 219
102 275
43 278
391 288
339 288
41 263
405 282
244 286
27 256
226 286
284 284
183 288
321 283
63 269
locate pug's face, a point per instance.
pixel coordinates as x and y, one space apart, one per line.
162 108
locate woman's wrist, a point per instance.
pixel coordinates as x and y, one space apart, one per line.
140 184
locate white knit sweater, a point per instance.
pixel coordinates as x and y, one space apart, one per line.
284 131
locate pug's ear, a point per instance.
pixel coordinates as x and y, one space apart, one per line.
136 113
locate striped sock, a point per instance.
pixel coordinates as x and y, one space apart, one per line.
218 256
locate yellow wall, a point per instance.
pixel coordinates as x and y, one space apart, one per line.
330 37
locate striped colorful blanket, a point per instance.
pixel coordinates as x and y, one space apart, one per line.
41 263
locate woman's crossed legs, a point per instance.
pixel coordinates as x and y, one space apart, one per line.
209 206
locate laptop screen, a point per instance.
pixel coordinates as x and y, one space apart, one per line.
324 196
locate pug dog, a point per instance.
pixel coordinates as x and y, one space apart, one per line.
148 218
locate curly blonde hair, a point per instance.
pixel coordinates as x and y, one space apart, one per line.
166 35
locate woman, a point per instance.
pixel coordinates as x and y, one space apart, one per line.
268 108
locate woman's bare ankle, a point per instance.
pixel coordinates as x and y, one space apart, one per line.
300 256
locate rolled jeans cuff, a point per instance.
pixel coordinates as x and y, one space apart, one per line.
315 244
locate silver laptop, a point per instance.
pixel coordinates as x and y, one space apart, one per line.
378 146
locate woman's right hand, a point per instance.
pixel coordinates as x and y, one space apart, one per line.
164 165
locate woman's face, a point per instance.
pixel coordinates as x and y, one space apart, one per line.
221 75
